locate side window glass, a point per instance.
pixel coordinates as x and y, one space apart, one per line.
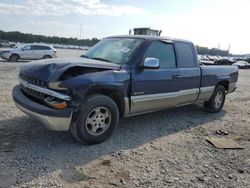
26 48
162 51
185 54
36 47
46 48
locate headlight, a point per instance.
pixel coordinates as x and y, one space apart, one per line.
5 52
56 86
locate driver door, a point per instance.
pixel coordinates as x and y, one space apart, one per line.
155 89
26 52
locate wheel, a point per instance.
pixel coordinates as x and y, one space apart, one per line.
96 120
216 102
14 58
47 57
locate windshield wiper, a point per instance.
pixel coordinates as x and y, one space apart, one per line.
99 58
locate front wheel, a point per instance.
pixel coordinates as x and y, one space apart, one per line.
96 120
14 58
216 102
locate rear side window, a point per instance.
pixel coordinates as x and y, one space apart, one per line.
185 54
46 48
162 51
37 47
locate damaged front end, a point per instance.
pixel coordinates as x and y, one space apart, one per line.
41 92
50 93
45 80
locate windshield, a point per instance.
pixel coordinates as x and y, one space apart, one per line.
114 50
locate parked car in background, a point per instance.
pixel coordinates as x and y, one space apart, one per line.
5 43
224 62
211 58
219 57
242 64
205 58
29 52
248 59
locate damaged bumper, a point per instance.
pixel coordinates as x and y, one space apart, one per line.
232 87
53 119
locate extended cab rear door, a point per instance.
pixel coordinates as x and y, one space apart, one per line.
189 73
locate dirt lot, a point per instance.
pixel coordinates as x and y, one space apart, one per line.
161 149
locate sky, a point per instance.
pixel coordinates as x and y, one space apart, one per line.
209 23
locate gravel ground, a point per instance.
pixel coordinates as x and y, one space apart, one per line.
161 149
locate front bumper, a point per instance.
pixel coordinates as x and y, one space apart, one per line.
5 56
232 87
53 119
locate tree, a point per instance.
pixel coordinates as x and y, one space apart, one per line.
16 36
212 51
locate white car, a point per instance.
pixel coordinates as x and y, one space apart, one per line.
29 52
242 64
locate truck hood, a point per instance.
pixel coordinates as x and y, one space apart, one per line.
51 69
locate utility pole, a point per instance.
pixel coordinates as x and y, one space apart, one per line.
229 46
80 32
80 35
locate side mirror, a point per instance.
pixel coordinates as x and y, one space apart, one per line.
151 63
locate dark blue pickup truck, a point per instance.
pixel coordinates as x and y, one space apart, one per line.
119 77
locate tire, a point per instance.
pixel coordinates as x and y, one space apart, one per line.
14 58
96 120
216 102
47 57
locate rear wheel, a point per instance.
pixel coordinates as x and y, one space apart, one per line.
14 58
96 120
216 102
47 57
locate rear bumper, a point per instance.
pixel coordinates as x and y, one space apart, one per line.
53 55
52 119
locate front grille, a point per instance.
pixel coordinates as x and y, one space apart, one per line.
33 93
33 81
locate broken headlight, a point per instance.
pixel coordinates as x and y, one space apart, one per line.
56 86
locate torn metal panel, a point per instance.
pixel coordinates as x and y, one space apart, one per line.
50 70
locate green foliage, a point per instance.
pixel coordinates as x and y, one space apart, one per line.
15 36
212 51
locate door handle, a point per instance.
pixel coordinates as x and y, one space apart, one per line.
176 76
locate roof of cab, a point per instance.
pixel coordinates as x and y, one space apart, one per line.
149 37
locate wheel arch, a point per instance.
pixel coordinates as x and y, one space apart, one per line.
47 55
16 55
224 83
114 94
